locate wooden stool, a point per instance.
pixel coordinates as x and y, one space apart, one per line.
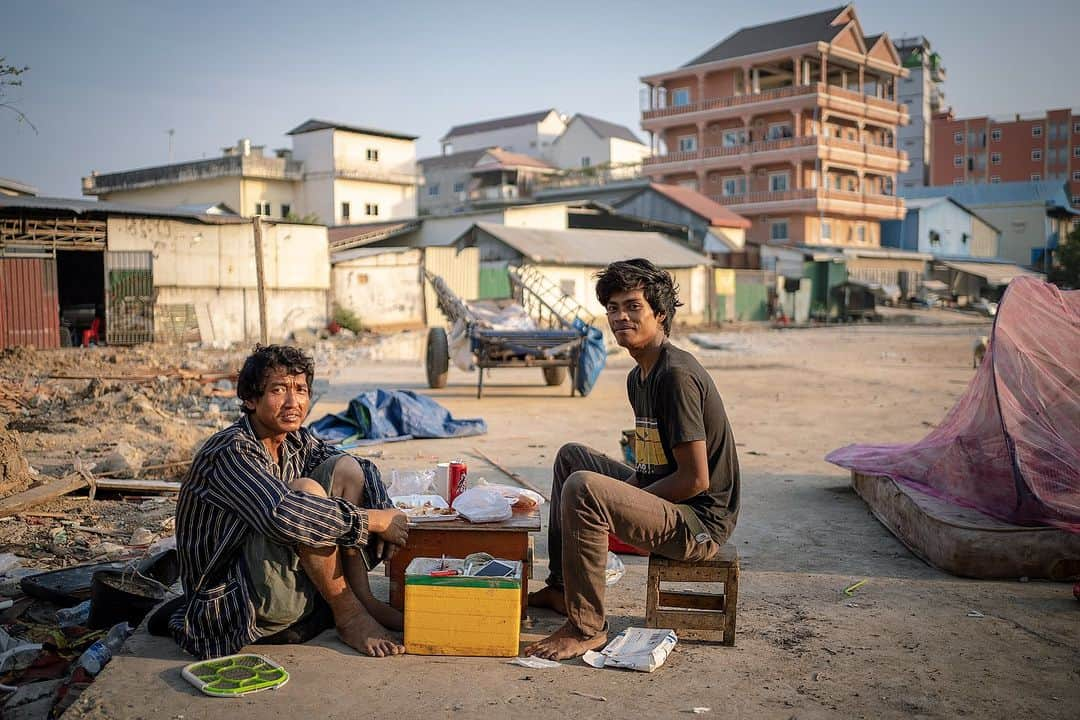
700 615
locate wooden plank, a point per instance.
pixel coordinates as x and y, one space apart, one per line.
691 600
693 573
15 504
117 484
727 555
690 620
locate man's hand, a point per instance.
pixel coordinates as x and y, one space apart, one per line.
392 526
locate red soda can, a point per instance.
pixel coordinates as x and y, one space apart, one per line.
458 473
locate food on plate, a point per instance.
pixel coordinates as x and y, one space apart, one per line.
425 509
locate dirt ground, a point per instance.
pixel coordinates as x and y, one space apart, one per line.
903 645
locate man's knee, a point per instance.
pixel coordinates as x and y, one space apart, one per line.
308 486
567 458
578 486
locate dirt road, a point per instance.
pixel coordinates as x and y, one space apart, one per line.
903 645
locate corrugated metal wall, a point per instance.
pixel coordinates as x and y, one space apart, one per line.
29 302
460 270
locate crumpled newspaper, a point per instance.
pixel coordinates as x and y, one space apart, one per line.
643 649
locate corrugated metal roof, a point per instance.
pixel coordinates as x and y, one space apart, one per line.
922 203
594 248
711 211
816 27
1048 192
507 159
465 158
606 129
313 125
92 207
498 123
17 187
350 236
995 273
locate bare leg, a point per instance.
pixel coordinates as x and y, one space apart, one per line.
348 483
355 624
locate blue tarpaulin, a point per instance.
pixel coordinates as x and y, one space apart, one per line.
592 359
389 415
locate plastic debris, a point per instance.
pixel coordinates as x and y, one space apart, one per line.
535 663
643 649
850 589
615 569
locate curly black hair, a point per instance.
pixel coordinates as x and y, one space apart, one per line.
251 384
659 287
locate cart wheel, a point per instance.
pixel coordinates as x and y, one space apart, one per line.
438 358
554 375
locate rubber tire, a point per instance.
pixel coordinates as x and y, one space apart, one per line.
554 375
437 358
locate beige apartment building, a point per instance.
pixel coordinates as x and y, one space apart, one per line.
792 124
340 174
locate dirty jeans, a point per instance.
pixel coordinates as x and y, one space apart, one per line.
590 498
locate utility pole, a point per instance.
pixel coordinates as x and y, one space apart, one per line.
260 280
171 132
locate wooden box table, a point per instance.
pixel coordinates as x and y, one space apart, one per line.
457 538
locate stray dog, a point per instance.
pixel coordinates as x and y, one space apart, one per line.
981 344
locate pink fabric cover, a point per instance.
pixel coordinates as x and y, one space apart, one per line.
1010 447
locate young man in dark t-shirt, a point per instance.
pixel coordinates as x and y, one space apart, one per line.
680 501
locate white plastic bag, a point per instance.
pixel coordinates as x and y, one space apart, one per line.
411 482
481 504
615 569
460 345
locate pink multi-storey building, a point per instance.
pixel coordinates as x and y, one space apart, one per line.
792 124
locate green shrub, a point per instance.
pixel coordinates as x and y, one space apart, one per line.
346 318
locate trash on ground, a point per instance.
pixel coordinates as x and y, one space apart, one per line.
643 649
601 698
236 675
975 614
535 663
614 570
850 589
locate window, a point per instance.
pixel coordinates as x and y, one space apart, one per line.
1076 151
262 209
860 234
1076 175
1075 200
585 161
1036 177
433 189
731 138
779 131
680 96
837 182
1036 131
373 155
995 134
964 237
285 210
958 138
826 230
687 143
345 211
371 209
1076 128
459 187
1036 154
958 181
851 184
935 238
958 161
735 185
778 230
778 182
995 158
995 179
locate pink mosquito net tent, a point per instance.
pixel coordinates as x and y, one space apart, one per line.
1010 447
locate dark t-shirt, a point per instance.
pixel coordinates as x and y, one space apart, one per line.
675 404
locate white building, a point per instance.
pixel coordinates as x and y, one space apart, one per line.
592 142
921 93
529 134
340 174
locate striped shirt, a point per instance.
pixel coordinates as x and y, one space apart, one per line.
234 488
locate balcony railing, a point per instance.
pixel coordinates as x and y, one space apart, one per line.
774 145
773 94
808 194
495 193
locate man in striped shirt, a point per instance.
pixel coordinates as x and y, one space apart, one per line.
276 531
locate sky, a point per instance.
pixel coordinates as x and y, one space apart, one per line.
108 79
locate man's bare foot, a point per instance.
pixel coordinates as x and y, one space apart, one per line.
551 597
566 642
362 632
387 616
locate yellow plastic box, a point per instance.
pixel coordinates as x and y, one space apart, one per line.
461 615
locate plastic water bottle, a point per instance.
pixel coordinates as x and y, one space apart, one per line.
100 653
74 616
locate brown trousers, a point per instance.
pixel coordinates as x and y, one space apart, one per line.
591 498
